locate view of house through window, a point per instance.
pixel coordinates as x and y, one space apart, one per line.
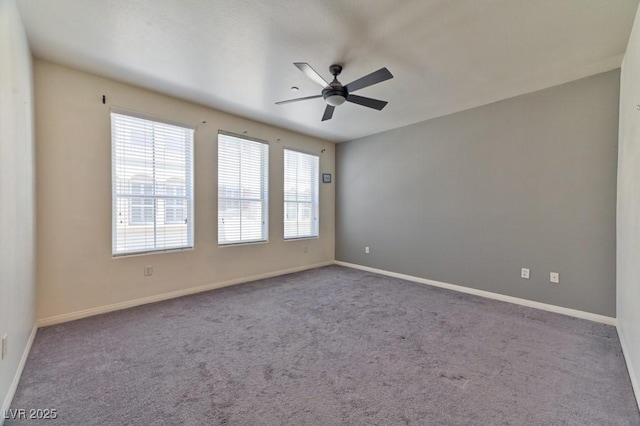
242 189
142 205
175 210
152 185
300 194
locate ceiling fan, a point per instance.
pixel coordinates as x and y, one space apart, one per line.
335 93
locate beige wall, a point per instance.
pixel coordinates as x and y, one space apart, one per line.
628 243
76 270
17 192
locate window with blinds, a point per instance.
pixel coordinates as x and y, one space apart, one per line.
300 194
243 169
152 185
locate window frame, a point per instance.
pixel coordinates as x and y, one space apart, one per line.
156 196
239 199
315 198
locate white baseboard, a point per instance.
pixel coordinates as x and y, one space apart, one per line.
57 319
497 296
16 378
627 359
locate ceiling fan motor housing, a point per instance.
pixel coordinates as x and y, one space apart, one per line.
335 94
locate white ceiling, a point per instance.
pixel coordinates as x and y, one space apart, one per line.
237 55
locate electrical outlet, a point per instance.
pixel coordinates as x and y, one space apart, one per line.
5 342
366 250
525 273
554 277
148 270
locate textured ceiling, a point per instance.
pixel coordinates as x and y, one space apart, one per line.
237 55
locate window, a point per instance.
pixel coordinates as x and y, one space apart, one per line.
242 189
152 185
300 194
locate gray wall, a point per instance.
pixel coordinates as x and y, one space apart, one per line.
472 197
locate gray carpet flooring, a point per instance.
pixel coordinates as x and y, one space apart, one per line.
330 346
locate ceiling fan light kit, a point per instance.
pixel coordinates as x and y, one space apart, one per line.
334 99
335 94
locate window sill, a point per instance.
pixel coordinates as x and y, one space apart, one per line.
248 243
148 253
301 238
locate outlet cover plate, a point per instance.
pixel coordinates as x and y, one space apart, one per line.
5 343
525 273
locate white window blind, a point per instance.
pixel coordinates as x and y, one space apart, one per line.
152 185
300 194
243 169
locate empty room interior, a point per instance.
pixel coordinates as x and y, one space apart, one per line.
341 212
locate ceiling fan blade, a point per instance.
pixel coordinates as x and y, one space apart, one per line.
328 112
368 80
368 102
298 99
311 73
